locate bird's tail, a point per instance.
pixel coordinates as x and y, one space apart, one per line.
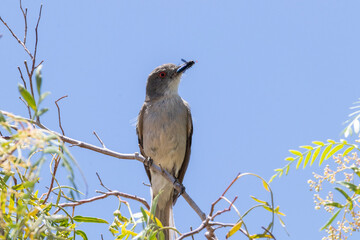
164 212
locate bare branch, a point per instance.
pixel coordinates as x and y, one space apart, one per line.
101 183
42 61
25 19
22 78
225 210
222 195
30 77
62 130
193 232
36 42
17 39
104 195
102 144
57 161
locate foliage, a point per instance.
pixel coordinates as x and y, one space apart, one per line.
345 215
346 210
24 213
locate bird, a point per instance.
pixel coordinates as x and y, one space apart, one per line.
164 129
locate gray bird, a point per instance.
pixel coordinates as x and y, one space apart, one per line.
164 130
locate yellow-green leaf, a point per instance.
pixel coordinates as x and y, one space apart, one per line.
318 143
307 147
331 220
266 186
316 153
349 149
89 219
234 229
326 150
334 150
299 162
29 99
307 158
295 152
258 200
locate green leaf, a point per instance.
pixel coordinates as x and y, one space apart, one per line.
334 150
82 234
299 162
307 158
356 171
289 159
38 79
331 220
318 143
43 96
349 149
335 204
295 152
42 111
346 196
89 219
144 214
29 99
316 153
331 141
350 186
2 118
323 155
52 149
27 184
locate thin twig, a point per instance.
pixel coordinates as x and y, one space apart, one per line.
104 195
36 42
17 39
62 130
42 61
101 183
30 77
269 233
102 144
214 203
225 210
25 19
57 161
193 232
22 78
26 106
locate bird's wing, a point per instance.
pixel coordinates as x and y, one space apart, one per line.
189 128
139 132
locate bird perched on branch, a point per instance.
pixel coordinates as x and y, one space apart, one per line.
164 130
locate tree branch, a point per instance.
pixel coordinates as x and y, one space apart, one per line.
104 195
135 156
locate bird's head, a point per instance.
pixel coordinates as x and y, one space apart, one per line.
164 80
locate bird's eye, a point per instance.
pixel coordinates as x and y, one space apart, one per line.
162 74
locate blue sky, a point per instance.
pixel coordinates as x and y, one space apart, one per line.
271 76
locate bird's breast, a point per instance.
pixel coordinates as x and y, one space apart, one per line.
165 132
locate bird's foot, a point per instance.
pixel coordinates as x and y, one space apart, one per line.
182 188
148 162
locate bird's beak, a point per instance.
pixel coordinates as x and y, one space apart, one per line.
183 67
